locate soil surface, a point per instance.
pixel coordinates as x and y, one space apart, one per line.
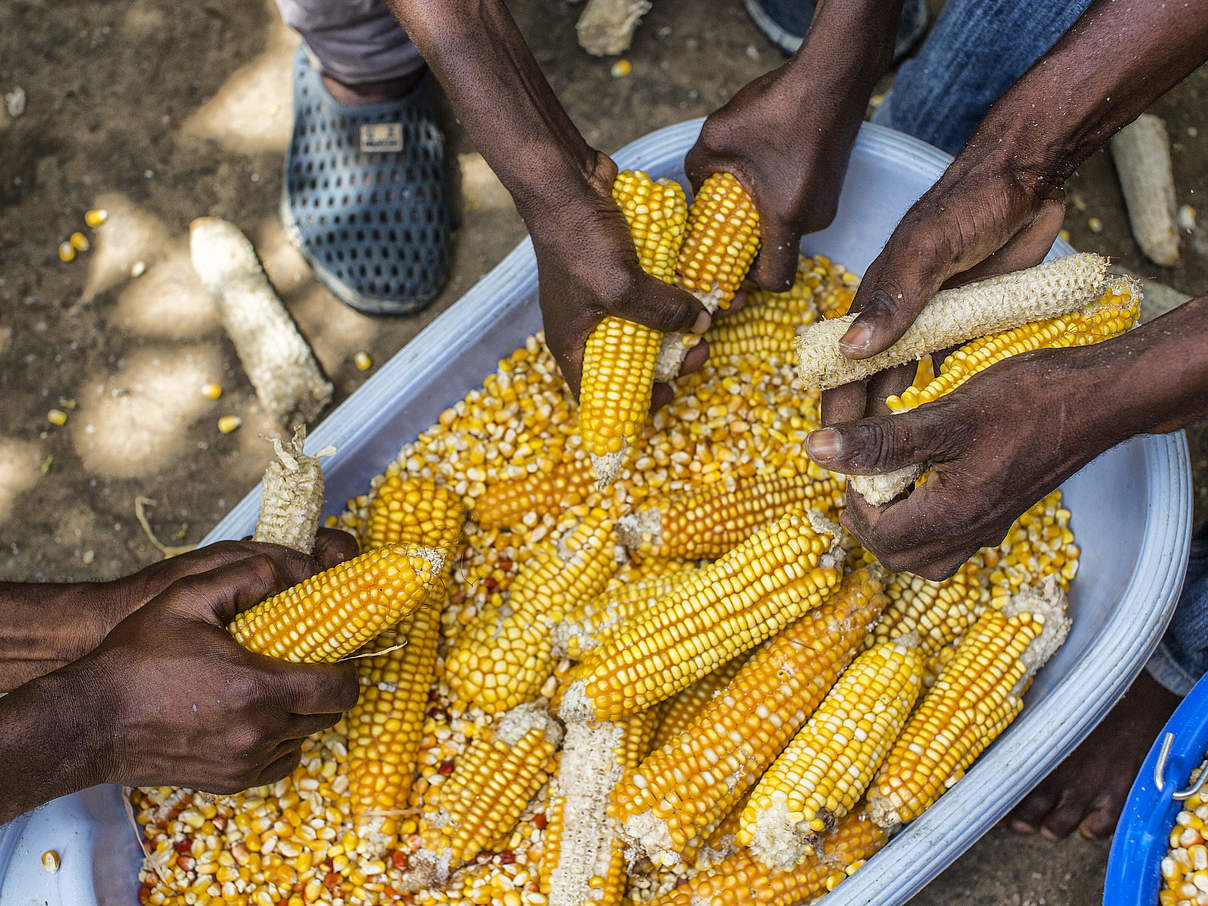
162 113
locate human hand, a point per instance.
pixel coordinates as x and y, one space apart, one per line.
177 701
588 269
786 137
108 603
996 445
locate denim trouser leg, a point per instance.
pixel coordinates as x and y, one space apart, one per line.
1182 655
976 50
354 41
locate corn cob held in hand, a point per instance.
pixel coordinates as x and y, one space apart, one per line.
1107 316
976 697
721 242
779 574
619 359
335 612
668 805
955 316
826 768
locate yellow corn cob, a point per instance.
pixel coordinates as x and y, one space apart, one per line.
743 879
955 316
978 694
721 242
776 576
506 654
678 713
668 805
479 805
619 359
332 614
521 501
1109 314
386 724
1038 545
767 324
825 769
706 523
933 613
583 860
291 496
584 627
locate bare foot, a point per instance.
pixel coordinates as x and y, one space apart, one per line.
1087 791
365 93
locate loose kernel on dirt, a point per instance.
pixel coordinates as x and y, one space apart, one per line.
211 391
96 217
57 417
67 251
80 242
362 361
229 423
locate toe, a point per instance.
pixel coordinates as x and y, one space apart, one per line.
1068 814
1101 822
1035 807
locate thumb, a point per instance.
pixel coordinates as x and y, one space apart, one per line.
218 595
661 306
875 445
776 267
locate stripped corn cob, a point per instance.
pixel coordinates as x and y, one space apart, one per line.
742 878
332 614
670 803
780 573
583 861
1141 152
679 712
826 768
933 613
619 359
480 803
522 501
385 726
705 524
975 698
955 316
506 654
291 496
584 627
1107 316
719 246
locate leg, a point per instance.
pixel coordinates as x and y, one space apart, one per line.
1088 789
975 52
364 196
784 23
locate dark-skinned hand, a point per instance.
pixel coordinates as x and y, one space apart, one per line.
179 702
996 445
588 270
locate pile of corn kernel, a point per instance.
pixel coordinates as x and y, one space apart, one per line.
1185 868
292 843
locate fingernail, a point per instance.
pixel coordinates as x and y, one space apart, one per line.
857 338
825 443
703 320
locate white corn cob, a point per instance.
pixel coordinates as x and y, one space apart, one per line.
291 496
1141 151
955 316
606 27
274 354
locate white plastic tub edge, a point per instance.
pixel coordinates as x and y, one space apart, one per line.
1145 518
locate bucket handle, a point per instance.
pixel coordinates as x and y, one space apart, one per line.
1159 771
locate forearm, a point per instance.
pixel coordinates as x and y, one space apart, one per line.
501 97
46 625
50 742
848 47
1115 60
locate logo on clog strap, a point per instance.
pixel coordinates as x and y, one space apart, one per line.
377 138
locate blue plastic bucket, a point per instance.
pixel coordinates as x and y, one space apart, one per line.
1142 837
1134 544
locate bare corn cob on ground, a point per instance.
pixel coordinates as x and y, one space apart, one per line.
670 803
385 726
975 698
1112 312
620 356
826 768
750 594
956 316
332 614
722 240
736 417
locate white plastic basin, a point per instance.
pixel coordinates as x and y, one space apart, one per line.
1131 514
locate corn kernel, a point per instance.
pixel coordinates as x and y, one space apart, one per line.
96 217
229 423
362 361
211 391
67 251
79 242
50 861
57 417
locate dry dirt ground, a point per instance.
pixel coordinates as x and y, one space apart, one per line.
161 113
